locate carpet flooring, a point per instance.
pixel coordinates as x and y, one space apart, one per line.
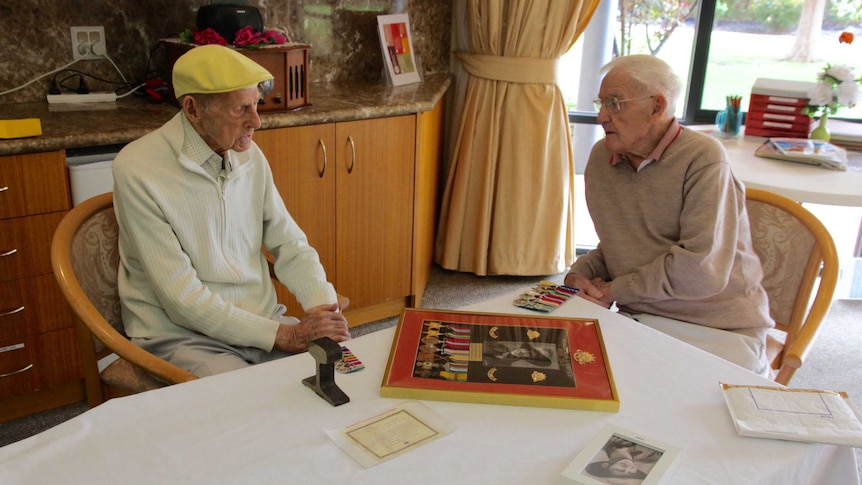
835 363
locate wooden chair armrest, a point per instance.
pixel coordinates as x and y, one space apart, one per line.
159 368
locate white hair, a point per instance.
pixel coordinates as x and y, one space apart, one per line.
651 73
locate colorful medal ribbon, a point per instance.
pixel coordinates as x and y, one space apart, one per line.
545 297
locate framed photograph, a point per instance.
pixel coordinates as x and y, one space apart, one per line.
520 360
396 43
620 457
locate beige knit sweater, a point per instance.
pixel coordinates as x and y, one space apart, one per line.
674 238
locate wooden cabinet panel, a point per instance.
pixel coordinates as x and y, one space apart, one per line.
32 305
39 362
18 367
302 160
59 359
13 311
374 214
429 187
33 184
25 245
349 186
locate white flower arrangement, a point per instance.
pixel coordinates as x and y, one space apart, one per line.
837 86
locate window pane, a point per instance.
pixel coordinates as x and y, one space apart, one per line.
749 39
645 27
755 38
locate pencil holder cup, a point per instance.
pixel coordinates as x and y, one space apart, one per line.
728 121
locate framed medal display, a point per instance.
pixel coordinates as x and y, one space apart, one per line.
521 360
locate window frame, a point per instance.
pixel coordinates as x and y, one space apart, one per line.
696 78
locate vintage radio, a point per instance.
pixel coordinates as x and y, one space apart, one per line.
288 64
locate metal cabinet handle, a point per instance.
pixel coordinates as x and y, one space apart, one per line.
9 252
12 312
352 154
322 147
4 188
24 369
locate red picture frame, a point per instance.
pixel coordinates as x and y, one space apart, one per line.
521 360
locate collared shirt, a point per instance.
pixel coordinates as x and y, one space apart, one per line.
198 151
668 138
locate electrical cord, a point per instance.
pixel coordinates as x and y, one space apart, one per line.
38 78
82 73
82 85
105 55
134 89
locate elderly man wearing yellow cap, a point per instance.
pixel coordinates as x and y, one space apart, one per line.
195 202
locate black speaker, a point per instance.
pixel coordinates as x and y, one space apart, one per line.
228 19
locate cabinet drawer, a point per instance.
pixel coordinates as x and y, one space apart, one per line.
33 184
25 245
17 367
31 306
40 362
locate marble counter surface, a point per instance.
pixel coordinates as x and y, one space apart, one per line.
133 117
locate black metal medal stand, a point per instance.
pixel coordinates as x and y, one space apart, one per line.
326 353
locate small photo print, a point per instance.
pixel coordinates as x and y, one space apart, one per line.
623 458
617 456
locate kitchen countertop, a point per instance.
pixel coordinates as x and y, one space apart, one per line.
133 117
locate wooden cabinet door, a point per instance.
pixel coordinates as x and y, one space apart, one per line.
33 183
25 245
303 166
374 211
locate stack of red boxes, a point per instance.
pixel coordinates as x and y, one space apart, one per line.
775 109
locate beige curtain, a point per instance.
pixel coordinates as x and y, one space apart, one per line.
508 206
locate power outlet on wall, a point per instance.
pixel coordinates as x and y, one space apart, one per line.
88 43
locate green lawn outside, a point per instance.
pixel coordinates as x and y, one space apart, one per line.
737 59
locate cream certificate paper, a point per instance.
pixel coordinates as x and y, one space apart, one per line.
390 434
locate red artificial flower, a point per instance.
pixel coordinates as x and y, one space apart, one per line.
274 37
208 36
246 36
845 38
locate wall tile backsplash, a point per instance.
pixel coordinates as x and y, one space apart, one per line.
35 38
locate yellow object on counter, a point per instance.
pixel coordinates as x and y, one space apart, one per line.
20 128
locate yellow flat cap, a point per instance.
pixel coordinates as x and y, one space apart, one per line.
210 69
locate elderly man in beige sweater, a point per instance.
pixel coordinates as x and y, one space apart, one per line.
675 249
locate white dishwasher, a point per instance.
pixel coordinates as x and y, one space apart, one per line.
90 171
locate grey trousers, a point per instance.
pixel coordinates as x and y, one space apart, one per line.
205 356
743 350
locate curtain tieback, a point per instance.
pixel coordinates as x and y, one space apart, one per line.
522 70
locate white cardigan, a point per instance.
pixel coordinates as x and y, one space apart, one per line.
190 250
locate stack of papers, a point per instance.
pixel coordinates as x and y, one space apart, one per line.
847 134
794 414
804 150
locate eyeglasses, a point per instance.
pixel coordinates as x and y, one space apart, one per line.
612 104
265 86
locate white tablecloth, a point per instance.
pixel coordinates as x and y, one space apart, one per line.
800 182
261 425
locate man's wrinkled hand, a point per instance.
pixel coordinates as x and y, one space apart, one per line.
595 290
320 321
